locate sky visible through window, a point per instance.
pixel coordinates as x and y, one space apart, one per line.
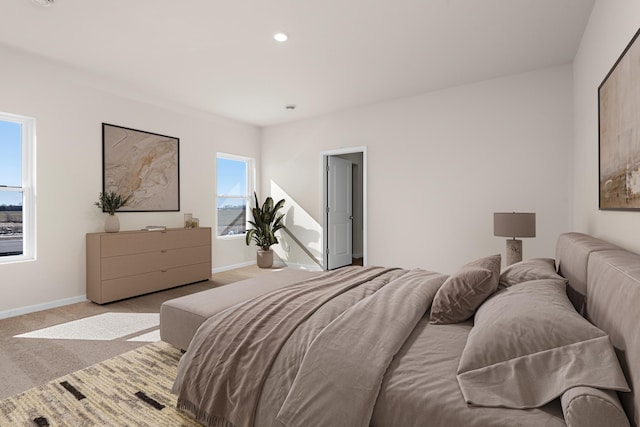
232 194
10 161
232 181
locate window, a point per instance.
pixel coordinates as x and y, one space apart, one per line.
17 204
235 189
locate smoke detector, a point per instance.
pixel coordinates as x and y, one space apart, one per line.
43 3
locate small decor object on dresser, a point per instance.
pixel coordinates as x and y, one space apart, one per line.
110 202
266 221
155 228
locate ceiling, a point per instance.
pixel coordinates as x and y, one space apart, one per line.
220 56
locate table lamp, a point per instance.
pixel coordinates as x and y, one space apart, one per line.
514 224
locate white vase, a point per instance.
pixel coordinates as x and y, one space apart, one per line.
112 224
265 258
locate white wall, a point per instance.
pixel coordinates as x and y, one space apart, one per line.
439 165
69 113
611 26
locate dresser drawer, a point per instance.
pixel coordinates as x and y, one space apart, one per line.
188 237
125 287
149 241
128 265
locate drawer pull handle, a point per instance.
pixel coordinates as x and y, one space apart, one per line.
163 271
164 251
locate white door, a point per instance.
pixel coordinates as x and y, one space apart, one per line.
339 213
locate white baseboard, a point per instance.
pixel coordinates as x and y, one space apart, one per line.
232 267
39 307
310 267
276 264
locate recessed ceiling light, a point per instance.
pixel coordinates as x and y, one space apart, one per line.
280 37
43 3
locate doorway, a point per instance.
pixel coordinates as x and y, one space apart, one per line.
344 205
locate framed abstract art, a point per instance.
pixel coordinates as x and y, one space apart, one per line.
619 132
142 164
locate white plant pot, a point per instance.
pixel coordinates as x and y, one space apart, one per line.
265 258
112 224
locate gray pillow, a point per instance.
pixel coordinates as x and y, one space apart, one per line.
531 269
528 346
464 291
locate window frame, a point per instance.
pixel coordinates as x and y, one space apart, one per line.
28 187
251 185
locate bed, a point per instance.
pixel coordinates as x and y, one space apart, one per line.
542 343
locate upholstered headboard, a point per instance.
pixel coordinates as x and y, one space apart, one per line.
572 254
607 280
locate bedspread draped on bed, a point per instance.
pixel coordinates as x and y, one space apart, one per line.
221 375
322 353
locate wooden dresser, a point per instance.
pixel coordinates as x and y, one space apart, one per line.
131 263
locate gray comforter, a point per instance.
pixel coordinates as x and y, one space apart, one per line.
348 348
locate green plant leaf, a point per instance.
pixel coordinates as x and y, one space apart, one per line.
266 221
112 201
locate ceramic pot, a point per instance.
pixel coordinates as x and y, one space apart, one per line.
265 258
112 224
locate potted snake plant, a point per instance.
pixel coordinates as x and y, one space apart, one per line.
266 221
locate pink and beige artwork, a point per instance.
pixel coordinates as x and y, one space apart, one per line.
144 165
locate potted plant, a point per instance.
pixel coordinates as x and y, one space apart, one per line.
110 202
266 221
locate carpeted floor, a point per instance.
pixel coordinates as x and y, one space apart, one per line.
35 358
133 389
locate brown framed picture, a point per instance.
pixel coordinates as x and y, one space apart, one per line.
619 132
142 164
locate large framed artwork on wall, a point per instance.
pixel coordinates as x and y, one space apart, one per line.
619 132
144 165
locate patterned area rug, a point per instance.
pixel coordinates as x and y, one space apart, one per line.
133 389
